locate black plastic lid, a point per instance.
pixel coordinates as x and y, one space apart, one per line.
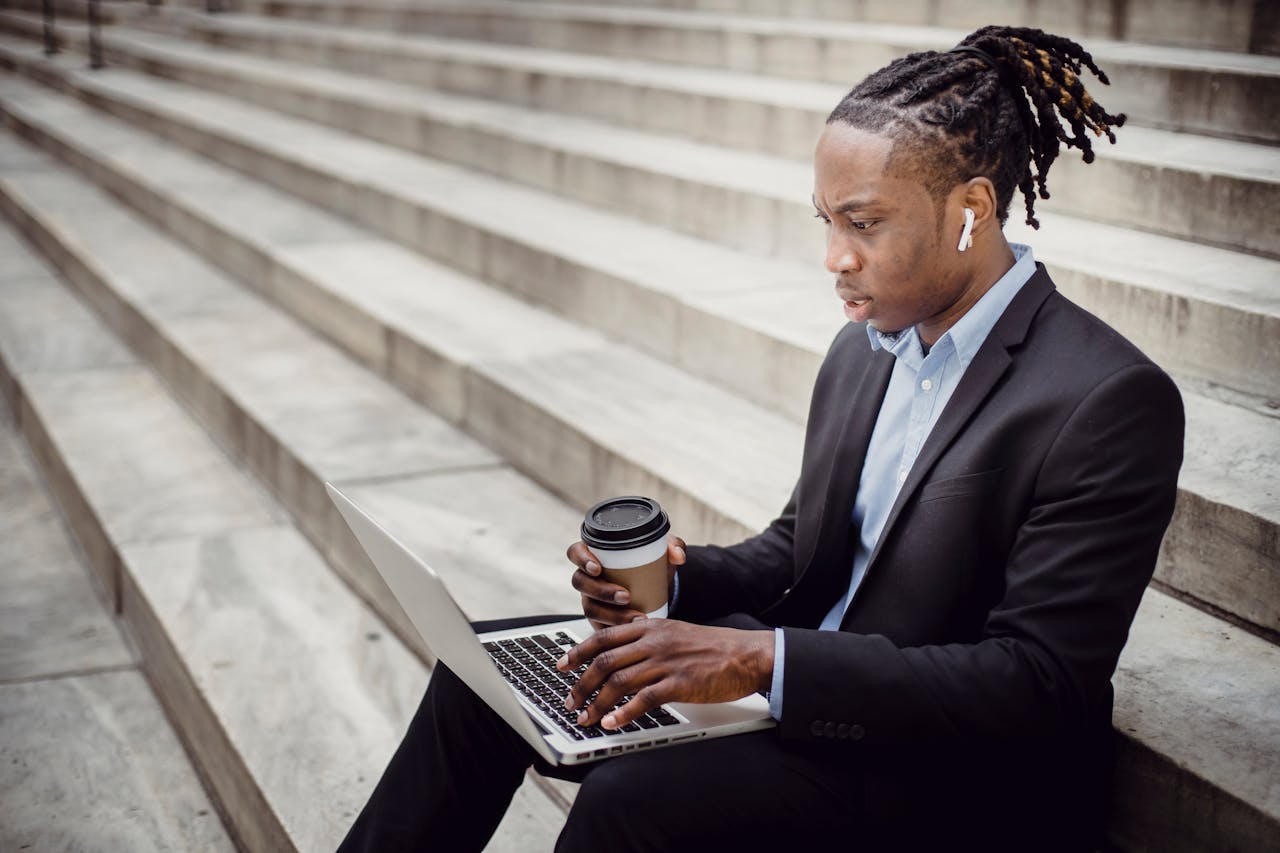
626 522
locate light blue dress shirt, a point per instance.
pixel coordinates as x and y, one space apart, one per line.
919 389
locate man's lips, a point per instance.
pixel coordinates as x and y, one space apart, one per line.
858 308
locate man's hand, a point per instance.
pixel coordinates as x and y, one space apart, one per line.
665 660
607 603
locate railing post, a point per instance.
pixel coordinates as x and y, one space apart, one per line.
95 35
50 37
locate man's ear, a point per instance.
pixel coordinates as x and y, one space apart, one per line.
980 197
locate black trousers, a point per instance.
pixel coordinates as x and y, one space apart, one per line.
453 776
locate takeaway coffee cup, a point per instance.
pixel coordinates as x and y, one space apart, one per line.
629 537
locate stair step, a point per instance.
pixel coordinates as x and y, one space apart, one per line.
1199 734
293 409
579 461
630 448
1220 190
1126 277
1218 24
23 348
243 601
51 622
87 759
89 763
1211 92
1190 768
641 283
1223 543
191 599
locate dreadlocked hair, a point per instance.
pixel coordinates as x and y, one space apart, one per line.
983 117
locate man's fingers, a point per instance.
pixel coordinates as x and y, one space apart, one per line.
612 672
580 555
622 682
641 703
601 615
675 550
598 642
599 590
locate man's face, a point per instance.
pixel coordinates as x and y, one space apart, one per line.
894 258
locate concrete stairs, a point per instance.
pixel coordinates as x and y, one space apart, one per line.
390 260
87 759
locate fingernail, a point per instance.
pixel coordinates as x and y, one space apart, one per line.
563 663
622 596
591 567
568 703
582 718
609 722
680 552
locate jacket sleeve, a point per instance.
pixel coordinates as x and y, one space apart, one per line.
1074 577
755 573
743 578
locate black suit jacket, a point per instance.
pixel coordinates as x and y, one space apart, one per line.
975 660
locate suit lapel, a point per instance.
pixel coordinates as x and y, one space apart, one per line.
988 365
832 554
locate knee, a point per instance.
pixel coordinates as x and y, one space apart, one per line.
610 811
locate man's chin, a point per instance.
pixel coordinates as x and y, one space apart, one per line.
859 312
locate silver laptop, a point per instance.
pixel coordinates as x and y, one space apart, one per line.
514 671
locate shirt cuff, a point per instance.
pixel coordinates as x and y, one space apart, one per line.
775 689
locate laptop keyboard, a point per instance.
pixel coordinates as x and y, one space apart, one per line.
529 665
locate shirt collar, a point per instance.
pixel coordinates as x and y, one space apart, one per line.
968 333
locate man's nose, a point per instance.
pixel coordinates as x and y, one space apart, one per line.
840 256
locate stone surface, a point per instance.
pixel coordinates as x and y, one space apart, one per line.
512 373
384 319
152 474
648 441
614 274
1194 187
27 289
1205 696
1224 24
51 621
89 764
1186 88
1195 310
259 607
612 305
1223 543
497 540
1127 284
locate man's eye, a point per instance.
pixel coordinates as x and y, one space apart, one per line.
860 225
824 219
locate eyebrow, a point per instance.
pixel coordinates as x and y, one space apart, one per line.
849 206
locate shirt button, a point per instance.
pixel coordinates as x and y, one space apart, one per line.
926 384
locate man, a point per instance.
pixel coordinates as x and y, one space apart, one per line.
937 612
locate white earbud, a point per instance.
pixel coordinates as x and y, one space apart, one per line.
966 236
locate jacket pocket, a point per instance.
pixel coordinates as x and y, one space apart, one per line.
954 487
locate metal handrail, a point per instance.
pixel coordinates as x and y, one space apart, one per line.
48 9
95 35
50 37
